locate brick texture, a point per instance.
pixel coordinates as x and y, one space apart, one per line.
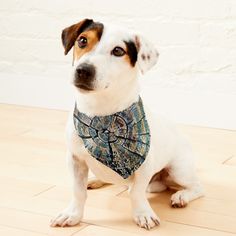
196 39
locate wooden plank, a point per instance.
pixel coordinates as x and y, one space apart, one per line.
166 229
204 212
231 161
33 222
212 216
216 215
9 231
35 204
65 193
206 208
46 174
102 231
122 220
219 175
13 186
211 145
31 115
33 161
10 129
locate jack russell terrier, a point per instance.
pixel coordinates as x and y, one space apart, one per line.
111 131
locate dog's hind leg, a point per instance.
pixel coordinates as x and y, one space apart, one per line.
183 173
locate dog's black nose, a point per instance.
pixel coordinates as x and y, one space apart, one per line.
85 73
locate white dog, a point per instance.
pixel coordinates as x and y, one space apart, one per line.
112 133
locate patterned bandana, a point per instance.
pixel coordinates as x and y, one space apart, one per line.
120 141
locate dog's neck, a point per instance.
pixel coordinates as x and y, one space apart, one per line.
107 102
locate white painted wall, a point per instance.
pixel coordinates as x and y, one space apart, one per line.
194 81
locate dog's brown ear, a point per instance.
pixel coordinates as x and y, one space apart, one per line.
70 34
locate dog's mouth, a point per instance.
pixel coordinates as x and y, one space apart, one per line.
83 86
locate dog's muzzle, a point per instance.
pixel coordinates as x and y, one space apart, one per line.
84 76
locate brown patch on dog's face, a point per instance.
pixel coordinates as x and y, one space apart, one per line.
70 34
92 38
131 53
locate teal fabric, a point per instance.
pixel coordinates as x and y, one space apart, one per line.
120 141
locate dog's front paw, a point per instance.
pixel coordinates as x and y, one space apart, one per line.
146 219
179 199
67 218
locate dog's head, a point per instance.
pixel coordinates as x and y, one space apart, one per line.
105 57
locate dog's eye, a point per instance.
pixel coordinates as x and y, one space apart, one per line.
82 42
118 52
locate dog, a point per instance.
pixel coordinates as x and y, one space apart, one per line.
135 148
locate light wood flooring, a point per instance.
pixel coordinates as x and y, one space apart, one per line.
35 184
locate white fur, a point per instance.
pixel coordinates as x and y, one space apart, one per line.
116 88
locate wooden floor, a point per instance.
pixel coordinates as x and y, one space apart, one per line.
35 184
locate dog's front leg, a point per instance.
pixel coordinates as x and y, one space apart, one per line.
143 214
74 212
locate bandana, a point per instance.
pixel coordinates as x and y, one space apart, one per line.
120 141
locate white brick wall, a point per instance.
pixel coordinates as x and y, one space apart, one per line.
196 40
